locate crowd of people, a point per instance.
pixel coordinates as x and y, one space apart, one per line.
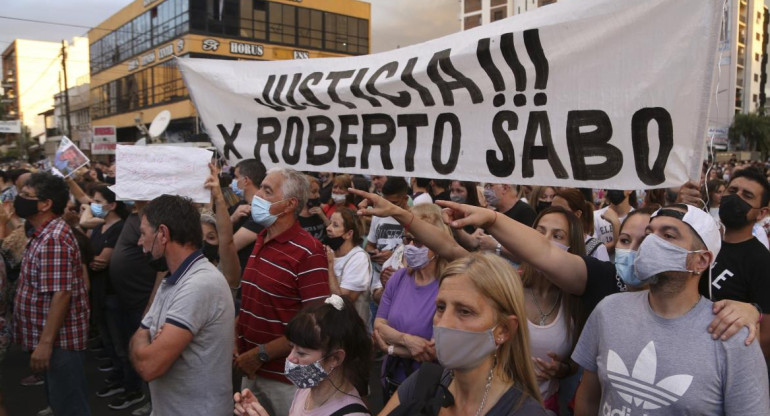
282 294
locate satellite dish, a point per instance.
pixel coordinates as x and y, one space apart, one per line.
159 125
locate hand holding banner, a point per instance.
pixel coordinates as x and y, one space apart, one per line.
143 173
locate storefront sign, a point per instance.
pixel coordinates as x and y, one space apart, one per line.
246 49
133 64
104 140
301 54
147 59
10 126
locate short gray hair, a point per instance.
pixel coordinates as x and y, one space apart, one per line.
207 217
294 185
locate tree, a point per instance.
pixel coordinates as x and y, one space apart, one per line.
755 128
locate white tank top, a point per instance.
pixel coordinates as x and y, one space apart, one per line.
550 338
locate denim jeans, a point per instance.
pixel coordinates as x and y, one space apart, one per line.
65 383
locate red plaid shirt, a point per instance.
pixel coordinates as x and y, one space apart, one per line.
51 264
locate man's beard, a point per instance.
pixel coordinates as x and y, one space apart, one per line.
667 284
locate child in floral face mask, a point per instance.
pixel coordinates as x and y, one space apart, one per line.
329 362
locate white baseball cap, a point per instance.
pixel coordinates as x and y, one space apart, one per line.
704 225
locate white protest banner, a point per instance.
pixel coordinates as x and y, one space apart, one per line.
590 93
143 173
68 158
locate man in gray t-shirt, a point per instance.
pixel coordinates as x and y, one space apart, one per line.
647 353
185 343
647 364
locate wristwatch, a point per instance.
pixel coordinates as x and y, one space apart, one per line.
391 349
498 249
262 354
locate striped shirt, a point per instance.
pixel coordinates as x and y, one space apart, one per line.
281 276
51 264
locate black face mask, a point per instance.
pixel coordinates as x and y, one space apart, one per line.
24 207
109 180
615 196
211 251
334 242
733 211
159 264
315 202
541 205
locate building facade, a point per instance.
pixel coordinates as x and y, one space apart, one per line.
480 12
32 75
133 73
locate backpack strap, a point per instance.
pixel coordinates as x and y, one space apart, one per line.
351 408
592 245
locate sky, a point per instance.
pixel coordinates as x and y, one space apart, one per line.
394 22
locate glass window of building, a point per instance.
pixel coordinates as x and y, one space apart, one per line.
472 21
310 28
472 6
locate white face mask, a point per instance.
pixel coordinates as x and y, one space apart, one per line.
339 199
657 255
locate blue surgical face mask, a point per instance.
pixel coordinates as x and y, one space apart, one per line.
236 190
98 210
260 212
624 266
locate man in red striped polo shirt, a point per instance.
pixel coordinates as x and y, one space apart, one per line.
286 272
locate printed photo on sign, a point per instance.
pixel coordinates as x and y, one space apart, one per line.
68 158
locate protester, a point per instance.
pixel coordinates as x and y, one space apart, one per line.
184 345
542 197
420 191
656 337
312 217
286 272
329 363
385 234
51 303
340 195
481 343
741 266
712 195
350 270
218 243
249 174
403 327
378 182
327 181
605 225
505 199
133 278
573 200
554 317
105 307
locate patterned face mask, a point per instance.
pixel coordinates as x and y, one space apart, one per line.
305 376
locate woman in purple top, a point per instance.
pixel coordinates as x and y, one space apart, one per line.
404 324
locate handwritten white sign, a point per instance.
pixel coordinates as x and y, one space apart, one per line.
144 173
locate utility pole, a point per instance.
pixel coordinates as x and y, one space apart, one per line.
66 90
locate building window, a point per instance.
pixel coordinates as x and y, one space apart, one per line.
472 6
754 98
472 21
756 77
346 34
310 28
758 37
496 3
498 14
152 28
283 25
756 57
160 84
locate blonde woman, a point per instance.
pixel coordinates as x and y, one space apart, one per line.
481 341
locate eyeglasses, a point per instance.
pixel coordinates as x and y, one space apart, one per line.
408 239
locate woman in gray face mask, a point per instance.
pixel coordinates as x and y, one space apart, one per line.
482 341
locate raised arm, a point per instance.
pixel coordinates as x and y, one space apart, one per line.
565 270
428 234
228 254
